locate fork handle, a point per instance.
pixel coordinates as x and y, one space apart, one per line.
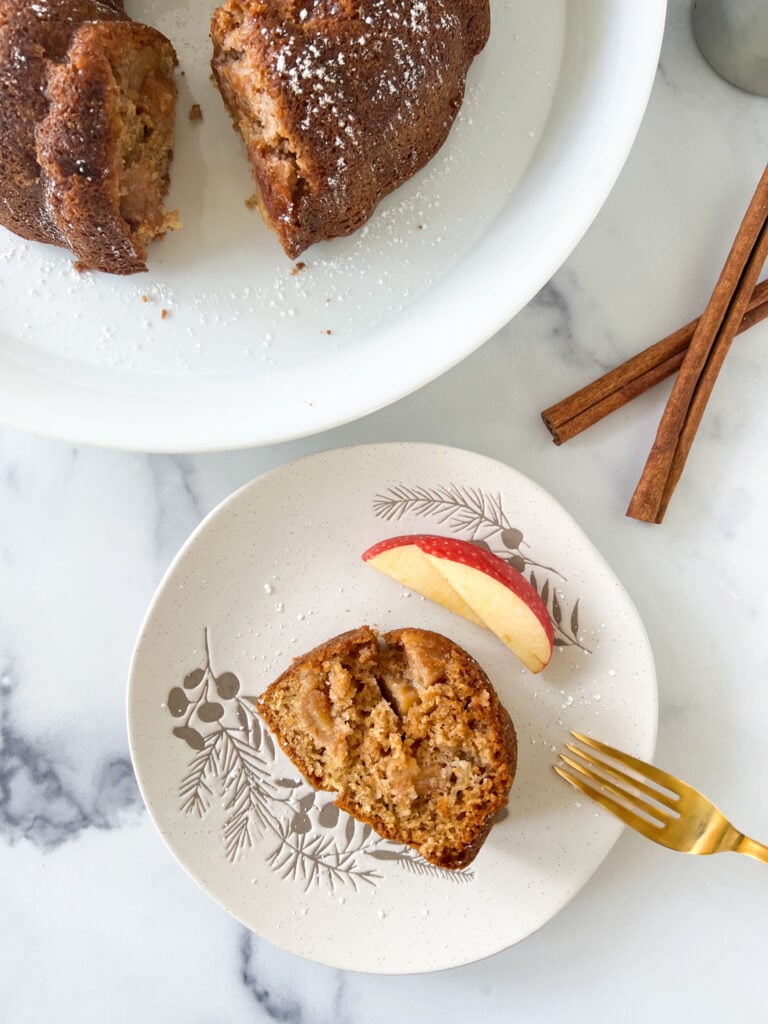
752 849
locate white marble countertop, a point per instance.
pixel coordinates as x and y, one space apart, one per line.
98 921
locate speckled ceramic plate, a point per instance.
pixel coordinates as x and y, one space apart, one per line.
276 569
250 351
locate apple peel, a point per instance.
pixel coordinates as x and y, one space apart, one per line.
474 583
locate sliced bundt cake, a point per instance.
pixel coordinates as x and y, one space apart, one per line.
407 730
338 101
87 101
341 101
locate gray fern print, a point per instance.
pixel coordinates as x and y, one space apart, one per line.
234 764
477 516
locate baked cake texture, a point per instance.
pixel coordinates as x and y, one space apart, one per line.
341 101
87 100
407 729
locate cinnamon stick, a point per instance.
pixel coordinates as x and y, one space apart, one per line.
614 389
702 362
712 367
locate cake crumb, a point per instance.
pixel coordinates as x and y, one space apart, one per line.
195 112
163 314
298 268
145 298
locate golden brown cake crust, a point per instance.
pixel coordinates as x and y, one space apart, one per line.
407 730
61 125
341 101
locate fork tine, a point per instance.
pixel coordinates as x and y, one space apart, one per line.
619 810
669 782
673 803
661 817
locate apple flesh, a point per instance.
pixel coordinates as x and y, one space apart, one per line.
473 583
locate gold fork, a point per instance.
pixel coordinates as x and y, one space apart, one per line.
653 802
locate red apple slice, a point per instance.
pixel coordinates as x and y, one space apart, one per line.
403 560
474 583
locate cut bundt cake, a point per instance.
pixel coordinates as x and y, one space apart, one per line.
407 730
87 101
341 101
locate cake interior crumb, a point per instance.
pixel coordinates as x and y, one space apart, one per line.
404 734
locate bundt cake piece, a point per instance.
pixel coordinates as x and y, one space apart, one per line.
409 732
341 101
87 100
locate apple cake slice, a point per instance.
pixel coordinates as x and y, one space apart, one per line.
87 103
341 101
407 729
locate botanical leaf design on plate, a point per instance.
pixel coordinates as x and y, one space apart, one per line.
191 736
268 744
247 794
465 508
349 829
575 619
311 859
328 816
194 791
549 595
407 859
193 679
235 763
301 824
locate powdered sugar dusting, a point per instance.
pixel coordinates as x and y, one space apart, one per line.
234 306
